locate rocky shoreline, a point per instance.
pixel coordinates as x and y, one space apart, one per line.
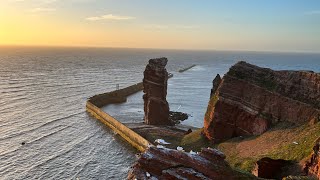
247 101
259 124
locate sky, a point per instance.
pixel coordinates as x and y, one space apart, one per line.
255 25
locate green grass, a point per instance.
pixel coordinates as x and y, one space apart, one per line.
276 143
306 139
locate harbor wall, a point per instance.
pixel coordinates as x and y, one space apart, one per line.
94 104
117 96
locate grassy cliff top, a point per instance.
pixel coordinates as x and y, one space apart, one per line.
283 141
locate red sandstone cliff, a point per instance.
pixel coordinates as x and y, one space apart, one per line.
250 99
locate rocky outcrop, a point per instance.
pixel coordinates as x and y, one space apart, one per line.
215 84
312 166
156 107
250 99
162 163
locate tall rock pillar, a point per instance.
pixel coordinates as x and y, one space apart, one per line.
155 82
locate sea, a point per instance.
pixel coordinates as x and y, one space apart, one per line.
45 131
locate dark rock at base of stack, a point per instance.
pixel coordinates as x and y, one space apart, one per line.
312 165
162 163
250 99
177 117
156 107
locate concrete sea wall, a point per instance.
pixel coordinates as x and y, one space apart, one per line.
96 102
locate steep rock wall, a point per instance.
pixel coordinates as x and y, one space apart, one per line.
250 99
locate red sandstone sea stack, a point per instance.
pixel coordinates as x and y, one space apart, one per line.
250 99
156 107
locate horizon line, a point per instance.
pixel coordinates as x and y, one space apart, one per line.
148 48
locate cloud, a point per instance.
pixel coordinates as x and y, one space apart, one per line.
110 17
187 27
156 26
162 26
36 10
316 12
41 1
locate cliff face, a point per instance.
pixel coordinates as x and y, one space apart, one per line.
250 99
156 107
162 163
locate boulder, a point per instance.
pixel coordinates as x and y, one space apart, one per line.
177 117
156 107
250 99
163 163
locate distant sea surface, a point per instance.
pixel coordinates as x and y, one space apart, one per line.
42 104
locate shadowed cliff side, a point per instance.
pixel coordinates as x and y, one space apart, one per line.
250 99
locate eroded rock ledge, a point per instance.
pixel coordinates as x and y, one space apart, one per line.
163 163
250 99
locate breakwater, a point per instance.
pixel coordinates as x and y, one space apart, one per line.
187 68
94 104
113 97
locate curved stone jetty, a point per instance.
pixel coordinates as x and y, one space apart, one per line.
94 104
